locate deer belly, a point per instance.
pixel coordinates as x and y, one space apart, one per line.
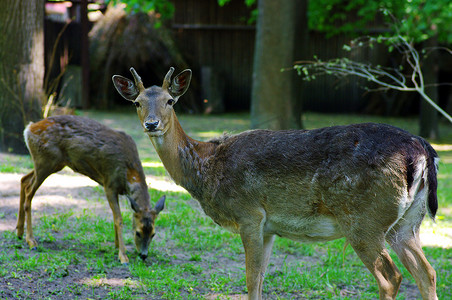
312 229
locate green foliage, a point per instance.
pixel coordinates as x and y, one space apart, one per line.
423 19
419 19
166 9
253 16
247 2
334 16
163 7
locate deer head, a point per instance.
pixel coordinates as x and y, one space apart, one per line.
143 224
154 104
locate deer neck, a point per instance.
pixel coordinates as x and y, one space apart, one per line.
136 184
183 157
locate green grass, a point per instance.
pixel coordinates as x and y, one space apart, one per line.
191 257
10 163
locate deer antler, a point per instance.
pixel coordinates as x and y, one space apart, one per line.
167 80
138 81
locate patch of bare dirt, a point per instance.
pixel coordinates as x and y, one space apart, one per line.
60 192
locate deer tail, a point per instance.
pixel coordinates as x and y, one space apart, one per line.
432 182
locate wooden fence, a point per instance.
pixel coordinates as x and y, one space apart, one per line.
220 38
218 45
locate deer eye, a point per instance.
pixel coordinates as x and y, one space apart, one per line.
137 104
170 102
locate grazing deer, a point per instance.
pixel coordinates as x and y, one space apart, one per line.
107 156
369 183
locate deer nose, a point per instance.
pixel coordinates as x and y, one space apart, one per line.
151 125
143 256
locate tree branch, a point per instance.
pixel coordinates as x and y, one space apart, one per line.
386 78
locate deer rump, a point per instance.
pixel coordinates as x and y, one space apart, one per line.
321 184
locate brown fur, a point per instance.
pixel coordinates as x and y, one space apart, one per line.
106 156
39 127
364 182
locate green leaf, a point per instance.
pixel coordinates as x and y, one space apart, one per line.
223 2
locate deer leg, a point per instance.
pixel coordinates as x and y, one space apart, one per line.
376 258
117 218
409 250
268 245
34 182
253 242
24 185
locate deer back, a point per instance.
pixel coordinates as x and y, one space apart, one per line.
107 156
335 171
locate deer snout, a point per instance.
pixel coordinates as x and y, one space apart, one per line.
143 256
151 125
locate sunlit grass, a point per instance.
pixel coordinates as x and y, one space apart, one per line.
10 163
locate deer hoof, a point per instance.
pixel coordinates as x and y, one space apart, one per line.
32 243
123 259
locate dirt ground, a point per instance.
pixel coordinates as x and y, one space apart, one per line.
51 196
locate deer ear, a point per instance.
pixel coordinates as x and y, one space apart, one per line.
160 204
125 87
136 208
180 84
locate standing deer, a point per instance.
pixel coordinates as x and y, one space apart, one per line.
369 183
107 156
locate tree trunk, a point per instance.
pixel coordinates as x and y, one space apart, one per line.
301 52
21 70
272 100
428 117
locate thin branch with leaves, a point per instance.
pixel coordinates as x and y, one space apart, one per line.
386 78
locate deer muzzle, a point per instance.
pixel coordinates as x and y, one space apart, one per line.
151 125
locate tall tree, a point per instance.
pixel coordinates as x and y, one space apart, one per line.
273 102
21 69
